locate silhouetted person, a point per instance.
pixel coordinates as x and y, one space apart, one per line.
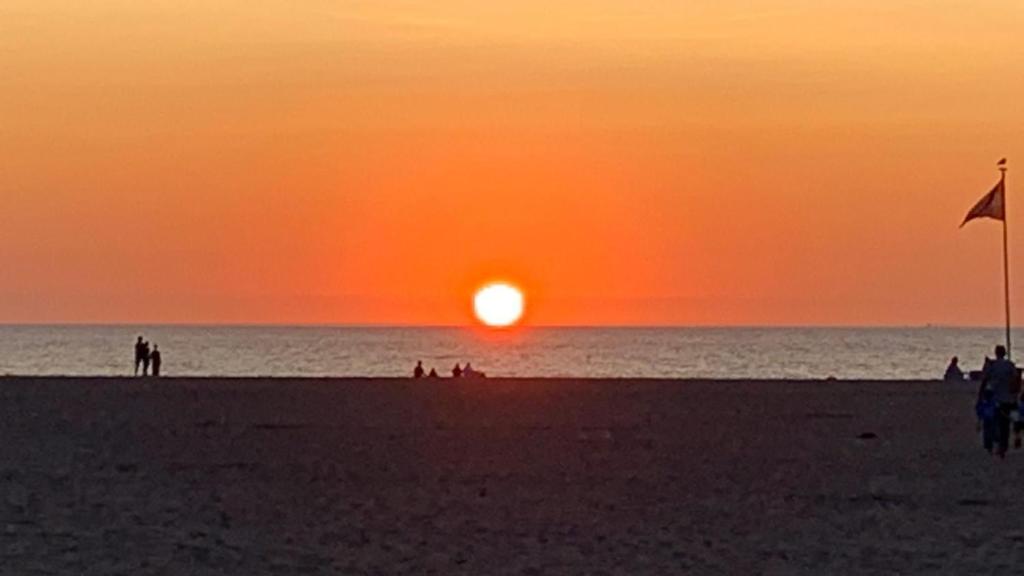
155 359
986 409
145 358
979 374
140 354
1018 426
1002 379
953 371
433 374
470 372
456 372
418 371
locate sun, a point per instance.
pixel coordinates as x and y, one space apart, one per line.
498 304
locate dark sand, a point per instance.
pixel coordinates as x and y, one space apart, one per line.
348 476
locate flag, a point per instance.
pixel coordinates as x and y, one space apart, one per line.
991 206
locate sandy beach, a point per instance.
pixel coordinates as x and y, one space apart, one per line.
526 476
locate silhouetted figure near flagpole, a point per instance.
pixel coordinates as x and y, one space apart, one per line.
1001 378
986 409
953 371
156 360
140 354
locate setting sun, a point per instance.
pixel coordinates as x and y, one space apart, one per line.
498 304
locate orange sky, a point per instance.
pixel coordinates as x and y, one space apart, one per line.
700 162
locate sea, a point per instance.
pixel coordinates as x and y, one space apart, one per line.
281 351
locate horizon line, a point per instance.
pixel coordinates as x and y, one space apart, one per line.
496 330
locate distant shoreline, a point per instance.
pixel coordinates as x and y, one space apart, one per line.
447 379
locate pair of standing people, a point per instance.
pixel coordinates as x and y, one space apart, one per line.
144 357
1000 385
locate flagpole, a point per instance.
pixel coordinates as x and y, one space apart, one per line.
1006 258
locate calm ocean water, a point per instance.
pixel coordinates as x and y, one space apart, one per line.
886 353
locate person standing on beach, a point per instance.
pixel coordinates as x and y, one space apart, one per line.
456 372
1001 378
418 371
140 354
155 359
1018 424
986 409
145 358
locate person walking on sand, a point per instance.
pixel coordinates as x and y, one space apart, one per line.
418 371
140 354
155 358
1001 378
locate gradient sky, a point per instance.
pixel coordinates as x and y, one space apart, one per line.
643 162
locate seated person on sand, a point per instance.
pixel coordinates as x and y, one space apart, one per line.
433 373
953 371
469 372
418 371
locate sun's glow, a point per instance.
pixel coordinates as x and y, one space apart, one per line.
498 304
